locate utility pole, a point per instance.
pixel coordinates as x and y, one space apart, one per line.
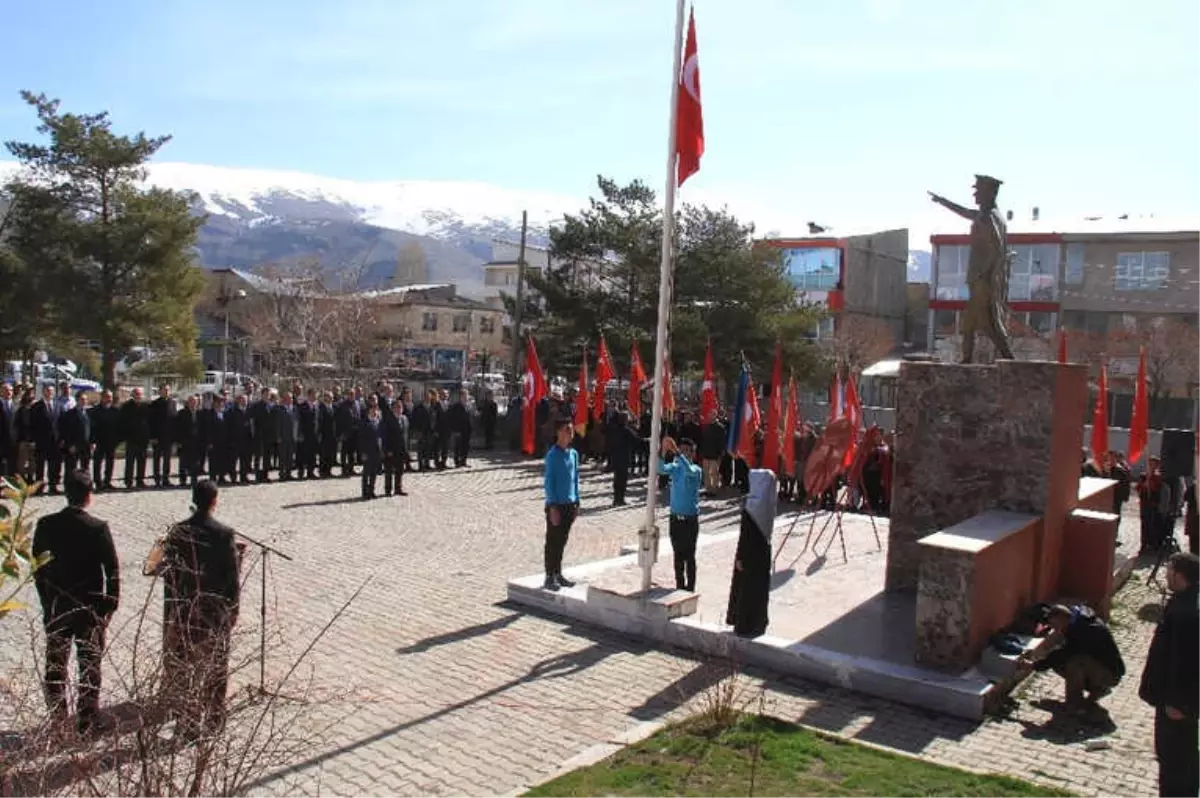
516 335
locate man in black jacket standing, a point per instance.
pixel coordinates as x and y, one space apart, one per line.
395 449
327 439
266 434
8 431
43 422
458 419
75 435
135 430
440 414
306 445
187 435
1171 681
105 428
489 412
346 419
161 421
79 589
241 440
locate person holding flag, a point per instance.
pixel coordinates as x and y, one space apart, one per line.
685 477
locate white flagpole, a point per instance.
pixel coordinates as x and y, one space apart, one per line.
648 551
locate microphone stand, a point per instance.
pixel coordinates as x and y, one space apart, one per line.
265 549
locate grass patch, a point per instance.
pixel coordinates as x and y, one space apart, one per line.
689 759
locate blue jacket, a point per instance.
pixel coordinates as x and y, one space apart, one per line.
562 476
685 484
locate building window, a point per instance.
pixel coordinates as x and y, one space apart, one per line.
951 269
813 268
508 279
1142 271
429 322
487 325
1073 274
462 322
945 322
823 330
1032 272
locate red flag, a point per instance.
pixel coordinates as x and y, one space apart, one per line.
637 376
604 373
774 414
837 396
668 393
853 412
535 391
1100 418
791 423
1062 346
689 120
581 398
708 391
1139 425
751 421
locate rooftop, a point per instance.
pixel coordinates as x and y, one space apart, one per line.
1114 225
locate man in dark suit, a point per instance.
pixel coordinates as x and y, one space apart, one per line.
441 428
105 428
421 430
43 422
161 421
8 431
370 444
347 420
215 440
239 439
489 412
75 435
306 445
188 437
287 425
135 430
266 434
327 439
395 445
79 589
458 418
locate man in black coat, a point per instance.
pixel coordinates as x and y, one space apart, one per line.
1171 681
189 438
458 422
440 413
214 437
287 425
8 431
623 441
135 431
238 433
370 445
104 424
306 445
79 589
161 421
43 421
327 439
346 421
266 434
421 431
75 435
489 412
395 449
1088 658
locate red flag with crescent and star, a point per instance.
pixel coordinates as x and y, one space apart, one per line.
637 376
774 414
751 421
1100 418
581 398
535 391
668 392
1139 425
708 391
604 373
689 120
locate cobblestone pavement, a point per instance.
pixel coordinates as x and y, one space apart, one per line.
430 684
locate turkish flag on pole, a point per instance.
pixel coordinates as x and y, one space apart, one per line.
581 398
1139 425
1100 418
708 391
535 391
774 414
791 421
637 376
837 396
689 121
668 393
751 420
604 373
854 413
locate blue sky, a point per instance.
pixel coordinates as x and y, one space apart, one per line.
842 111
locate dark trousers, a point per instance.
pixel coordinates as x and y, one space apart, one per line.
306 458
1175 745
196 674
556 537
85 632
393 473
8 459
77 459
370 472
107 456
191 458
443 448
328 456
349 453
160 461
489 435
263 457
47 463
620 482
287 458
135 463
239 462
684 531
426 449
219 465
462 447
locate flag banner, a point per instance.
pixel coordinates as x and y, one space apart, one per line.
1139 424
689 118
774 414
791 424
1100 418
708 390
637 377
535 391
604 373
853 413
581 398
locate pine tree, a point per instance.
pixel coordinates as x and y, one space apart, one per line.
121 253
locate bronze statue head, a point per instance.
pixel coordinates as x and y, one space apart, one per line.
986 189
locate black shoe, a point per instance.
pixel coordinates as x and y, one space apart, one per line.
563 581
401 493
550 584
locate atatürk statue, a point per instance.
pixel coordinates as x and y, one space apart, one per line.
987 269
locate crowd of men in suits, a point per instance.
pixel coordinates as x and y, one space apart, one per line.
293 434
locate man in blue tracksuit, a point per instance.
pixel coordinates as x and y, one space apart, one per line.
686 477
562 501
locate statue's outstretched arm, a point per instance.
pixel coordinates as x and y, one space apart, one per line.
966 213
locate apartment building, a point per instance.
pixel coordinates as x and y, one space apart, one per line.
501 272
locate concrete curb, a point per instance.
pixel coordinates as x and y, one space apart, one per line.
597 752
